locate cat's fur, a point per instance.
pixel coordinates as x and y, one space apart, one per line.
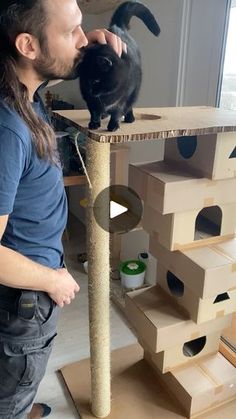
110 84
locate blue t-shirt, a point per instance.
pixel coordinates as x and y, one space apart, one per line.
31 192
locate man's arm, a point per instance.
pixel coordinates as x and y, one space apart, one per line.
17 271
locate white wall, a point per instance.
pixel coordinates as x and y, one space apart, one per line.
204 47
159 55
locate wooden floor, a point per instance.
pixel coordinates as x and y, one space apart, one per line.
72 343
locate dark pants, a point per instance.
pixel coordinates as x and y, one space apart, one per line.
25 346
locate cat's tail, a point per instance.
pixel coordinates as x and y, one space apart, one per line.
128 9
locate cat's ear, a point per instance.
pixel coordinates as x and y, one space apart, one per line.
104 63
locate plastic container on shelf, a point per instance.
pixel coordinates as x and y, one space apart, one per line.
132 274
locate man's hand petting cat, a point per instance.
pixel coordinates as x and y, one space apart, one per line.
103 36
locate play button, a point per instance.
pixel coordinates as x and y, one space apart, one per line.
116 209
125 209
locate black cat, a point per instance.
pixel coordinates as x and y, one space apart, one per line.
109 84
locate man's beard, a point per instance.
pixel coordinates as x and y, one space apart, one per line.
48 68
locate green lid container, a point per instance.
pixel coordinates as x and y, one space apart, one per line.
132 267
132 273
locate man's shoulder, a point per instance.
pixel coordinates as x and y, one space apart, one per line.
10 121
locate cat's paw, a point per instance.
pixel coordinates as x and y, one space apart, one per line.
129 118
113 126
94 125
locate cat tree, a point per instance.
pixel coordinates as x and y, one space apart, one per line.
174 193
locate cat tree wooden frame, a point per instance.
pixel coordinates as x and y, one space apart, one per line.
151 124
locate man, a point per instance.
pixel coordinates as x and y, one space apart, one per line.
40 40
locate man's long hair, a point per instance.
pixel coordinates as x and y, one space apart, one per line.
17 17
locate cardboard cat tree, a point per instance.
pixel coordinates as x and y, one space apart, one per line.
190 214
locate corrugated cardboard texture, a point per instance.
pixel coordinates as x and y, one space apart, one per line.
158 123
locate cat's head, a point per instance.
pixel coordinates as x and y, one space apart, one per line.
100 70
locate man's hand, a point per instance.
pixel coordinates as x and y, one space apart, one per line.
103 36
64 288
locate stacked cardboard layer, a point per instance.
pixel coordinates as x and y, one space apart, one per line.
173 200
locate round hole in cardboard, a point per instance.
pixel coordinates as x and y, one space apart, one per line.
187 146
176 286
194 347
147 117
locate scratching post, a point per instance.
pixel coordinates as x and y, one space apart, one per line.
98 166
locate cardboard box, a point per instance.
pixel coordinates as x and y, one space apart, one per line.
182 230
198 309
163 325
202 386
201 269
169 188
181 355
211 155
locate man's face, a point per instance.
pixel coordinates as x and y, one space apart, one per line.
64 37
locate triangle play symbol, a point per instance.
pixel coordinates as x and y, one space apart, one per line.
116 209
233 154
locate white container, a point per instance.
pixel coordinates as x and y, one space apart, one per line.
132 274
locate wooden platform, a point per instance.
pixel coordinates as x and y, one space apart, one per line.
136 391
157 123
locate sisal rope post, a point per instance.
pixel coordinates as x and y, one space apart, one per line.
98 167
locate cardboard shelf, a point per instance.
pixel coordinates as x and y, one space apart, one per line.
157 123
